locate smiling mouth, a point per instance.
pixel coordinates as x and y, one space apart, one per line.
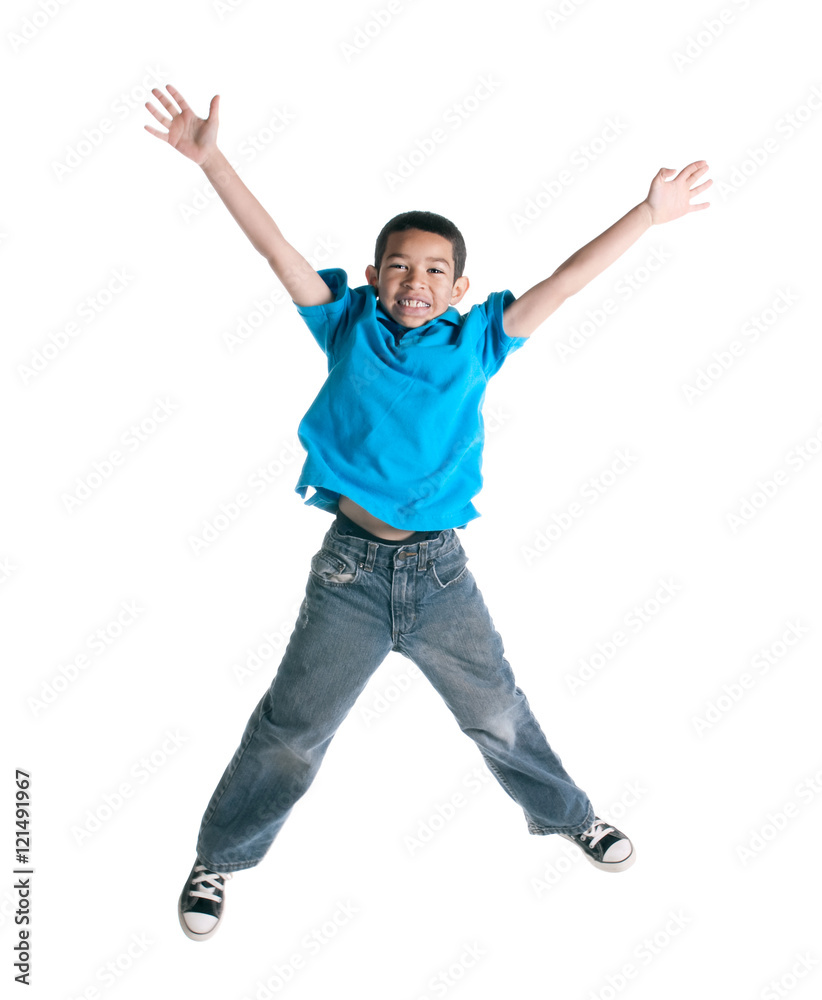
413 303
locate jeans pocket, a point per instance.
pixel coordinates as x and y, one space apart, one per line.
449 568
335 568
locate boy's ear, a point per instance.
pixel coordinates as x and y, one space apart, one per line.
459 289
371 275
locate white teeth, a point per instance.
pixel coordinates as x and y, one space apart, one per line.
412 302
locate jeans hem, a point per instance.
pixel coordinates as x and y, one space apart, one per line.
541 831
235 866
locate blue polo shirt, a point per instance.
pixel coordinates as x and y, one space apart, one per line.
397 426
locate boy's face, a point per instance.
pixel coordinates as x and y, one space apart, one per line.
415 283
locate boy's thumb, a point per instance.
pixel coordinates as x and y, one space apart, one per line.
214 106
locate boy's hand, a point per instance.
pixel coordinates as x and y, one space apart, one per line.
670 199
666 200
194 137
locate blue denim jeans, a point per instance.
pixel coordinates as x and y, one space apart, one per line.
364 599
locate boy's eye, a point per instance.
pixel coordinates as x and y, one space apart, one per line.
436 270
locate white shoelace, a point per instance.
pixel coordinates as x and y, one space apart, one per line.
598 829
207 890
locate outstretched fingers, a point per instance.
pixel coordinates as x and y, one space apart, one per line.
694 170
178 97
170 108
695 192
689 175
698 170
167 104
161 118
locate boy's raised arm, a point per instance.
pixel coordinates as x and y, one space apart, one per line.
196 138
667 200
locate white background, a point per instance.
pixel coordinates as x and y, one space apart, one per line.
724 812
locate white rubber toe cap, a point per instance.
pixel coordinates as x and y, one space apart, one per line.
198 926
617 852
202 923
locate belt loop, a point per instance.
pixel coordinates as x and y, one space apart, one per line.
368 565
422 556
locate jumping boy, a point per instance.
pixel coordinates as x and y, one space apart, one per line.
394 445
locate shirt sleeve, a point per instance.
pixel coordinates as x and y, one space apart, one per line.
327 320
497 345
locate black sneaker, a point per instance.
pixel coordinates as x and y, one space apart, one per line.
201 903
604 846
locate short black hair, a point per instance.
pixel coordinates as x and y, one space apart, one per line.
428 222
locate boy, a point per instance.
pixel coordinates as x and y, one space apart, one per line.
394 443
